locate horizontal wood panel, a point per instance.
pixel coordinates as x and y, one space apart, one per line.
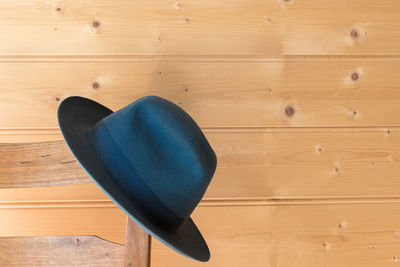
216 94
60 251
81 209
105 222
190 27
304 235
20 136
357 235
253 165
66 194
306 164
39 164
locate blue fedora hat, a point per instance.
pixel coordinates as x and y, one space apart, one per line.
150 158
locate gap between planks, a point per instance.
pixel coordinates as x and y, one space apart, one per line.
44 204
192 58
56 131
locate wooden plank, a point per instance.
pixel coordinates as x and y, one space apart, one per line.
21 136
357 235
138 246
80 209
190 27
216 94
59 251
105 222
306 164
39 164
67 194
259 164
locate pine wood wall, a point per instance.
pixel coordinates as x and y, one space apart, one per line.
299 98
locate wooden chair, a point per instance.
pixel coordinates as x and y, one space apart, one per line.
50 164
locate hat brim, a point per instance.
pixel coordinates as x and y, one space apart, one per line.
76 117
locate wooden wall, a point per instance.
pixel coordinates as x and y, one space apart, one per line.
299 98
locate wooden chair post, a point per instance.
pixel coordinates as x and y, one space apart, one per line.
138 246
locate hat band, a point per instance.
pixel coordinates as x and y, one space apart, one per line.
130 182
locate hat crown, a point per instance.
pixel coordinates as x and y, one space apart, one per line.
167 149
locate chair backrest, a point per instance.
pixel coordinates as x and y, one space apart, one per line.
50 164
39 164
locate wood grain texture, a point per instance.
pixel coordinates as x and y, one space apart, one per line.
105 222
299 98
310 234
216 94
256 164
354 235
187 27
23 136
68 194
78 209
138 246
60 251
306 164
39 164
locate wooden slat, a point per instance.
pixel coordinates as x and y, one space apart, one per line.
59 251
216 94
80 209
256 165
38 164
22 136
68 194
306 164
105 222
357 235
188 27
301 235
138 246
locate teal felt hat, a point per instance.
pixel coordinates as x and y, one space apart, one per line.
150 158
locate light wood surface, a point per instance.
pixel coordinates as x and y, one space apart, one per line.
299 98
59 251
252 164
217 94
310 163
38 164
78 209
190 27
309 234
355 235
138 246
105 221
